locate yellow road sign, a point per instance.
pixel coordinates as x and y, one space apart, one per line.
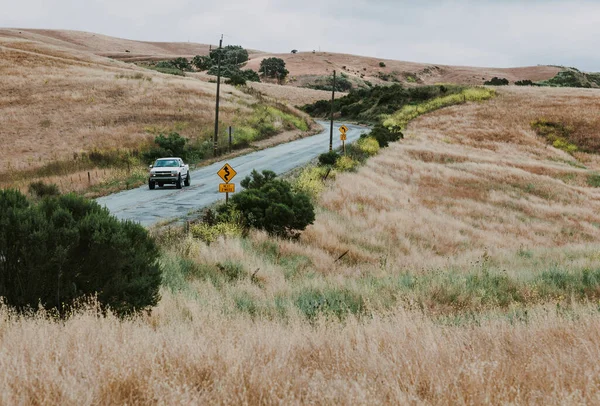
227 188
343 129
343 137
227 173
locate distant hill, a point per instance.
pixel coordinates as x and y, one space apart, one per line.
305 68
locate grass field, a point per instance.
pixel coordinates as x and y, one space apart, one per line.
471 275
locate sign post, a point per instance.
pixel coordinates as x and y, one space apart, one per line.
227 173
343 137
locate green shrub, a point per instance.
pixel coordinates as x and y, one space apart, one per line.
496 82
64 248
236 80
382 64
368 145
166 67
41 189
346 163
310 181
524 83
174 144
329 158
210 233
202 63
384 135
182 64
270 204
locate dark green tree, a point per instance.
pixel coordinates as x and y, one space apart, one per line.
270 204
182 64
65 248
202 63
495 81
273 68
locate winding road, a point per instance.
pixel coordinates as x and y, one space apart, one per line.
149 207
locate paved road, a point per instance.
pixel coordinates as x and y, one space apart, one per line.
151 206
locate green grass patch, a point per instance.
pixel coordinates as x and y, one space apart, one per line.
408 113
593 180
335 301
169 71
556 134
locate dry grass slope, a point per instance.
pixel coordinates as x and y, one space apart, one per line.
304 67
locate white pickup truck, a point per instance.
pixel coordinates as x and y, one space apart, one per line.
170 171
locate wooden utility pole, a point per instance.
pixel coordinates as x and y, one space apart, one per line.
216 138
331 127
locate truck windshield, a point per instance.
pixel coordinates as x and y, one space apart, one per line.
166 163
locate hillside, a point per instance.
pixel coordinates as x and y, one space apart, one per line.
103 45
306 67
60 100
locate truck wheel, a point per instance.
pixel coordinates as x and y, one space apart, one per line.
151 185
187 179
178 184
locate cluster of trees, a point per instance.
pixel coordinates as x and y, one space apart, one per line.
369 104
231 58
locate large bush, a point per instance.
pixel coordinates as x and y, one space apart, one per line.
65 248
270 204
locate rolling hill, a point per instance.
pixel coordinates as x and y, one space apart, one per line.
304 67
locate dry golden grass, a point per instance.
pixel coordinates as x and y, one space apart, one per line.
295 96
103 45
52 107
185 353
466 180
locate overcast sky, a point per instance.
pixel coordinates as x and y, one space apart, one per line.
499 33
